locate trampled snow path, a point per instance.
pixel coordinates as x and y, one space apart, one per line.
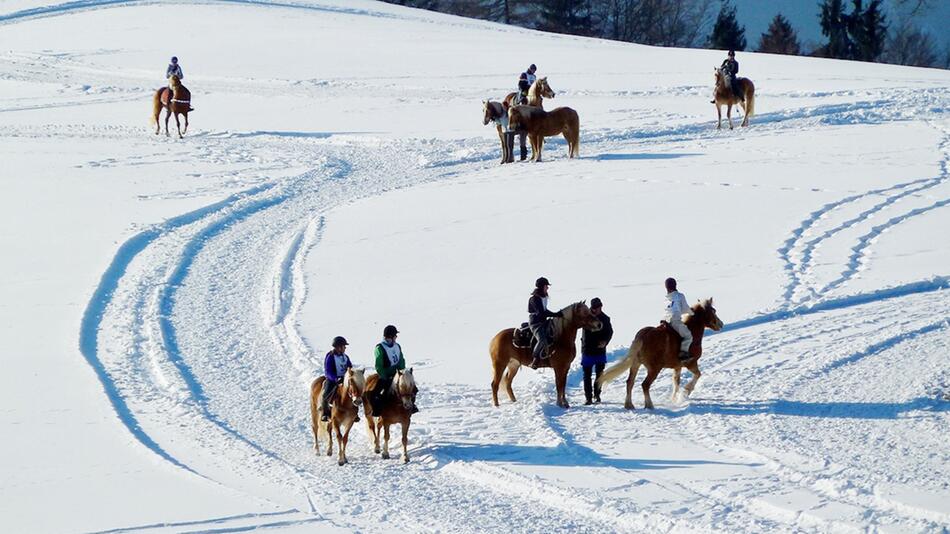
194 337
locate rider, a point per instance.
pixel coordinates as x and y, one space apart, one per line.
174 69
531 72
538 316
389 359
676 307
334 368
594 350
523 86
731 67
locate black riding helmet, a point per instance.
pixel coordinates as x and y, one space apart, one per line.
390 331
541 282
732 53
174 59
339 341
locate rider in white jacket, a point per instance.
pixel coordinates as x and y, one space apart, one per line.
676 308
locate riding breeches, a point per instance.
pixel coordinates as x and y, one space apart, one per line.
681 329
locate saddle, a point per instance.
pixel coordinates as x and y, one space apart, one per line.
523 338
695 348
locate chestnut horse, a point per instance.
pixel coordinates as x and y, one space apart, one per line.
175 99
505 355
349 396
398 409
538 91
724 95
539 124
498 113
658 348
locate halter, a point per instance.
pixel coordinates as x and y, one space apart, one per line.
406 398
350 390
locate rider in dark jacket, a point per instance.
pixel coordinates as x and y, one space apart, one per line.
538 315
732 67
523 86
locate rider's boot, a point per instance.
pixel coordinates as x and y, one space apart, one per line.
326 414
685 356
536 362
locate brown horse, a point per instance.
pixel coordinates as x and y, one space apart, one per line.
349 396
539 124
538 91
175 99
724 95
497 112
397 410
505 355
658 348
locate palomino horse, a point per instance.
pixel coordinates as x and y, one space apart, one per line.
538 91
658 348
539 124
175 99
505 355
724 95
497 112
349 396
398 409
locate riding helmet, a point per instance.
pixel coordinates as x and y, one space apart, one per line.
533 67
390 331
732 53
541 282
670 283
339 340
174 59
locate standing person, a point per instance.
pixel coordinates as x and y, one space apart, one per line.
389 359
538 320
676 307
594 351
174 69
532 74
335 365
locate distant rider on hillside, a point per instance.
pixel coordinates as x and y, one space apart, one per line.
731 67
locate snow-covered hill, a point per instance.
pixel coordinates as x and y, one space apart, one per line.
166 302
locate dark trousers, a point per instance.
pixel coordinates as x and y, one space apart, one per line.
589 385
329 388
510 143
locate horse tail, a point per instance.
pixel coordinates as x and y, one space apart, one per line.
623 365
577 135
750 100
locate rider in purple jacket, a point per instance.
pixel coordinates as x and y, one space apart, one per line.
334 368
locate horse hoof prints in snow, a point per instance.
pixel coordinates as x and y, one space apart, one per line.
657 348
507 359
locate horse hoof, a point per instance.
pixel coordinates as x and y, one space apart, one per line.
648 406
385 456
628 406
341 462
405 459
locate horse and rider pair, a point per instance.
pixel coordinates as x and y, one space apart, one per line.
175 99
732 90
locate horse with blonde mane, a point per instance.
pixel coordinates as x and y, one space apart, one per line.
174 99
539 124
538 91
343 414
397 409
725 96
658 348
507 359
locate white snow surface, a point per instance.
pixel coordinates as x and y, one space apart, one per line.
165 303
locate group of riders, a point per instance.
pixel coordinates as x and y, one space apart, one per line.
594 342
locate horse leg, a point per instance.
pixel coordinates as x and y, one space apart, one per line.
497 370
340 445
178 125
186 124
504 144
330 428
676 382
631 381
386 441
560 380
647 382
168 116
729 115
693 368
405 440
513 367
719 112
315 424
375 428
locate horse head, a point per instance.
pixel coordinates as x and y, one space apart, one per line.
174 81
705 311
579 316
404 387
354 384
543 88
489 114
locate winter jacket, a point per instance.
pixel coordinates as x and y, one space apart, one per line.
333 369
174 69
538 309
531 78
389 359
524 85
732 66
676 306
595 343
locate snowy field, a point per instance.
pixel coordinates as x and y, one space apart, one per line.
165 303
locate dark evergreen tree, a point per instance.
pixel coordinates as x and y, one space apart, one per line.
834 26
566 16
726 33
868 30
780 38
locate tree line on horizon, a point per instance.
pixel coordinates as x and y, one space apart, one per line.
852 29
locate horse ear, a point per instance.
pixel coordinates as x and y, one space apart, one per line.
410 370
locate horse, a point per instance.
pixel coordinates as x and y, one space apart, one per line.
505 355
497 112
345 409
538 91
658 348
397 410
724 95
539 124
175 99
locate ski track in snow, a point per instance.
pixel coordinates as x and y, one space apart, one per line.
183 357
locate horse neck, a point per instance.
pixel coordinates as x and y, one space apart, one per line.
696 325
